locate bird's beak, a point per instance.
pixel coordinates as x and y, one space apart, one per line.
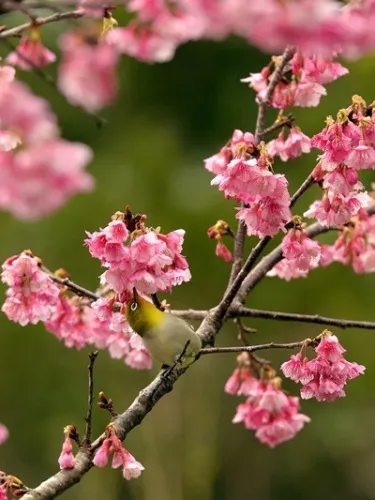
135 294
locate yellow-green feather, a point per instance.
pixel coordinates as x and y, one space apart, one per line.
145 317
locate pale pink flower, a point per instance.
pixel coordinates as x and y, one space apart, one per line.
287 270
296 144
9 140
143 44
7 73
87 72
32 295
217 163
26 115
361 157
343 180
51 173
276 147
223 252
66 459
308 94
4 433
241 382
31 53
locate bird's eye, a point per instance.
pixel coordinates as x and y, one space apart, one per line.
133 306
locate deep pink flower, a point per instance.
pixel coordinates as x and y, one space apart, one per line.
87 72
325 376
66 459
131 468
272 414
31 53
223 252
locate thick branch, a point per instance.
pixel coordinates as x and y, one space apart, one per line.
40 21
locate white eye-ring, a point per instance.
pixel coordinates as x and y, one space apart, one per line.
133 306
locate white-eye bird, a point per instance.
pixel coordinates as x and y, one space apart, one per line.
164 335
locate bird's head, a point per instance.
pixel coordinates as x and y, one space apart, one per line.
142 315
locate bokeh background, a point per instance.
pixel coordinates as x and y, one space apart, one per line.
168 118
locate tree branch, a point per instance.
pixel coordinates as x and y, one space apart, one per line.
77 289
40 21
253 348
239 242
245 312
88 419
285 122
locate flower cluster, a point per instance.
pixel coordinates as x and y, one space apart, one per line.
243 172
121 457
325 376
348 146
302 84
32 296
268 410
355 245
36 177
301 254
151 262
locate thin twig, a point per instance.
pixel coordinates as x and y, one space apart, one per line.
246 312
285 122
309 181
253 348
77 289
88 419
40 21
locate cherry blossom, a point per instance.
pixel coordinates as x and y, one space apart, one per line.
31 53
66 459
325 376
87 72
4 433
121 457
32 295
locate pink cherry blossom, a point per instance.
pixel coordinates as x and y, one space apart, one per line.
151 262
361 157
265 217
335 209
4 433
31 53
271 413
3 492
223 252
301 250
87 71
325 376
32 295
48 179
131 468
7 73
66 459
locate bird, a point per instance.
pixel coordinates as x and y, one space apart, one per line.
166 336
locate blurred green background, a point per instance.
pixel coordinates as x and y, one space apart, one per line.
168 118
